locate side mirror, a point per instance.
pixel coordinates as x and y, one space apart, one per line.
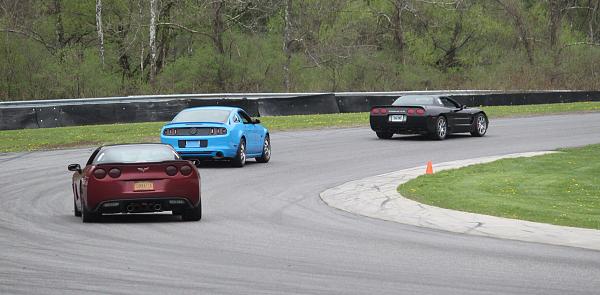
255 121
74 168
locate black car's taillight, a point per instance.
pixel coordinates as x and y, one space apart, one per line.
379 111
99 173
418 112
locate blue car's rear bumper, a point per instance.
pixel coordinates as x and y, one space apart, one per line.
216 146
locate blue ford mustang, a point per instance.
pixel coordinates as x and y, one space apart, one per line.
218 133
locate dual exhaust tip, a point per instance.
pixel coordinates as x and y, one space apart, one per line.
134 207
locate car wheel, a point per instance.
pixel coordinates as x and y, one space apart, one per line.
384 135
480 125
87 215
441 128
192 214
240 158
76 211
266 154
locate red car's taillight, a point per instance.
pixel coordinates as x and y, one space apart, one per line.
99 173
171 170
186 170
114 172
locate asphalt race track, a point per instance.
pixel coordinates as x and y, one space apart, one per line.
265 230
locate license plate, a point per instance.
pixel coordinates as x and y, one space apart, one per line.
192 143
397 118
143 186
196 143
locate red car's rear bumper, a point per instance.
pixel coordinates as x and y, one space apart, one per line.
113 196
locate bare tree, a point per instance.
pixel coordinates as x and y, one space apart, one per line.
594 5
99 30
514 11
153 12
287 40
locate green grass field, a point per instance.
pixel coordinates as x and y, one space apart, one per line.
562 188
52 138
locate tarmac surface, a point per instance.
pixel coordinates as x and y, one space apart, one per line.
266 231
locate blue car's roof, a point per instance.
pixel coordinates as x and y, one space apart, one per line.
213 108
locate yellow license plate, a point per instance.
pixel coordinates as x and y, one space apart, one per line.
143 186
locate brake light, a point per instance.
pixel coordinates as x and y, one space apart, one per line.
171 170
170 131
99 173
420 112
114 172
375 111
383 111
186 170
410 111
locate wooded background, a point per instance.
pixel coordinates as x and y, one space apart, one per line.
87 48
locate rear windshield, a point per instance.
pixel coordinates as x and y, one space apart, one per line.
416 100
206 115
136 154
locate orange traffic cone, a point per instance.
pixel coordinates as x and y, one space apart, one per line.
429 168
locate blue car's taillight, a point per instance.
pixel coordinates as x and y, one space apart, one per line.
218 131
170 131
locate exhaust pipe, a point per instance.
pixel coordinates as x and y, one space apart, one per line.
130 208
157 207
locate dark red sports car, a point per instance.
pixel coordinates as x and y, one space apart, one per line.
136 178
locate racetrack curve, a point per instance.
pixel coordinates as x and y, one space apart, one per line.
265 230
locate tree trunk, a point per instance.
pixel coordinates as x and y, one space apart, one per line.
556 15
60 30
99 30
218 27
153 12
399 6
287 40
592 20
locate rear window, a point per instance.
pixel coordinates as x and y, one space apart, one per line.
136 154
201 115
416 100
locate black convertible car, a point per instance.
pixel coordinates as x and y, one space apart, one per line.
436 116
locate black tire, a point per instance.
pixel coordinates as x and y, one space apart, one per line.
76 211
266 154
384 135
441 128
240 157
87 215
480 125
192 214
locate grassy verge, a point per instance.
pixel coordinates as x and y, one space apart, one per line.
49 138
562 188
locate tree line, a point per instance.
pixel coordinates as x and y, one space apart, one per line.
74 48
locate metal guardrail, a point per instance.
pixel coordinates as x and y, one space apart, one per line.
153 108
249 96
